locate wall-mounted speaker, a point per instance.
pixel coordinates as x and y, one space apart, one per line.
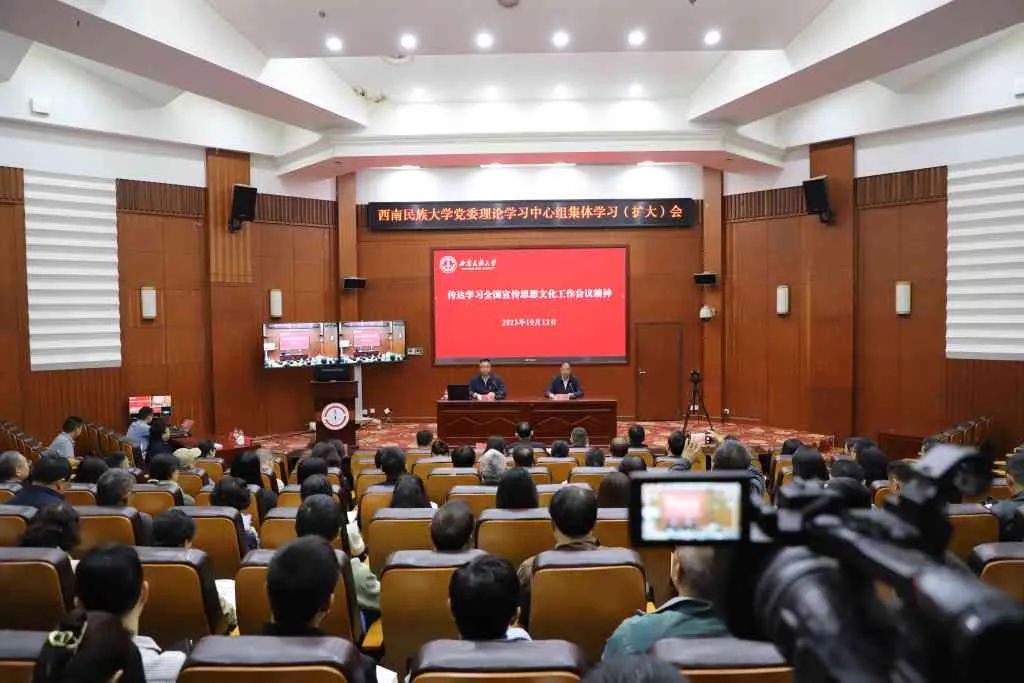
353 283
705 279
243 206
816 198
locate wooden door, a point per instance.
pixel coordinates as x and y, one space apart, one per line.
659 371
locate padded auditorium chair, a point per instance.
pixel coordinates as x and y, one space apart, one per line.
1000 565
214 467
973 525
80 494
998 489
540 475
7 491
203 499
393 529
37 588
724 660
538 661
14 520
375 498
192 483
101 524
558 467
644 454
879 492
358 465
442 479
515 534
183 602
546 492
424 466
477 497
269 659
253 606
367 478
219 533
589 475
18 653
414 602
278 528
151 498
612 531
564 589
290 497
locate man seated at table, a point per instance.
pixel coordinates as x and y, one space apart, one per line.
484 386
564 383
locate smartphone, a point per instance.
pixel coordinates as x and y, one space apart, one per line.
697 508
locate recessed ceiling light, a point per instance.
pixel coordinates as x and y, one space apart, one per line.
409 167
493 164
484 40
561 91
636 90
333 43
647 162
408 41
561 164
419 94
712 37
636 37
491 92
560 38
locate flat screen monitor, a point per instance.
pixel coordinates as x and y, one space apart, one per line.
371 341
300 345
161 405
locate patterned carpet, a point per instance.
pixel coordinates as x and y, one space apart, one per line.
760 438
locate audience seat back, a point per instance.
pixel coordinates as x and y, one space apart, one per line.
724 660
558 467
367 478
540 475
612 531
644 454
191 483
998 489
879 492
589 475
80 494
278 528
219 533
214 467
101 524
151 498
414 602
375 498
267 659
290 496
14 520
358 465
1000 565
424 466
973 525
183 602
393 529
565 583
443 479
477 497
546 492
7 491
515 534
18 653
37 588
539 661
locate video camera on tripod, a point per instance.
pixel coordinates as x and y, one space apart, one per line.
805 574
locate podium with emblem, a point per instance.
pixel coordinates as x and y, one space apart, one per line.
335 410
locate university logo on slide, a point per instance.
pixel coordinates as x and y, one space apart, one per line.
448 264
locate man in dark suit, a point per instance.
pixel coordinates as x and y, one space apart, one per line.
524 432
565 383
47 479
484 385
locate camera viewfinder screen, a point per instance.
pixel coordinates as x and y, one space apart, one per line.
693 511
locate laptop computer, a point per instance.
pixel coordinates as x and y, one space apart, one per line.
184 429
458 392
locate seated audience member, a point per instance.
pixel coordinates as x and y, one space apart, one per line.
637 435
789 446
634 669
266 457
233 493
439 449
45 483
808 464
847 467
186 458
90 469
691 615
159 436
874 462
307 467
613 491
853 491
579 438
516 491
522 456
594 457
559 449
207 449
733 455
392 464
855 444
573 515
13 467
424 437
99 640
319 484
301 580
524 434
410 493
1011 527
163 469
247 468
451 529
899 472
64 443
492 466
484 599
688 449
56 526
676 444
632 463
117 461
496 442
138 431
113 489
463 456
619 448
323 450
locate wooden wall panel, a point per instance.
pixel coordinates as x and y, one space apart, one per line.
713 331
346 242
230 252
163 199
13 308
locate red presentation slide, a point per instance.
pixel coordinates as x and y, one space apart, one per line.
530 305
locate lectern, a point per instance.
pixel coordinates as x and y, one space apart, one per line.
335 410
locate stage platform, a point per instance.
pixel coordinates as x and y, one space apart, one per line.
759 437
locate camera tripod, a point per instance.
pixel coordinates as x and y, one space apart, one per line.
695 407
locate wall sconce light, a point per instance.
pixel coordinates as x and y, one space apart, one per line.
706 313
147 299
782 300
276 303
903 298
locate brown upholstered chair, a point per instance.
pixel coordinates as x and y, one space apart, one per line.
393 529
668 461
539 661
515 534
219 532
973 525
101 524
414 602
589 475
7 491
191 483
443 479
358 465
203 499
367 478
477 497
644 454
540 475
268 659
290 496
375 498
80 494
612 531
1000 565
278 528
183 603
253 605
546 492
724 660
424 466
214 467
563 588
558 467
879 492
14 520
37 588
18 653
151 498
998 489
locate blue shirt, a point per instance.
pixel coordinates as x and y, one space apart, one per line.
138 434
63 445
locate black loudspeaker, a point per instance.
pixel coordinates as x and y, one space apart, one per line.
243 206
816 198
353 283
705 278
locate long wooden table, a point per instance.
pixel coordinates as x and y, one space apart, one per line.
470 422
